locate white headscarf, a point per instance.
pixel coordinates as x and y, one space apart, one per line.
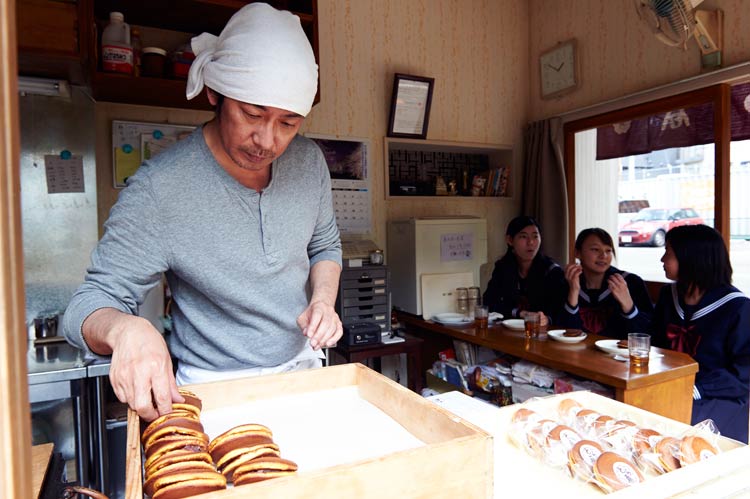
261 57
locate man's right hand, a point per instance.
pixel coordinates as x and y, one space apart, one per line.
141 370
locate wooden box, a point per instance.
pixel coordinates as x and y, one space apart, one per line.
523 474
454 458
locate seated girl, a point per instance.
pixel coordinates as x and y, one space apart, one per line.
602 299
524 281
703 315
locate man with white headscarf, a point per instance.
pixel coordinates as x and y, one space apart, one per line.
239 218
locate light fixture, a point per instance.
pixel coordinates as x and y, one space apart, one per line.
42 86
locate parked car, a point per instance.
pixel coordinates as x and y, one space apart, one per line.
627 210
650 225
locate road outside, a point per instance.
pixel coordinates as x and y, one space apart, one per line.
646 262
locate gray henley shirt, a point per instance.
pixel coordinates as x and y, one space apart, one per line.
237 261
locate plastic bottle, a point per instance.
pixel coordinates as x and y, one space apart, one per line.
117 53
135 42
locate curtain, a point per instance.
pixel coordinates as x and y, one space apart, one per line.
677 128
544 195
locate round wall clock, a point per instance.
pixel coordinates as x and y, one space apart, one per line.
558 69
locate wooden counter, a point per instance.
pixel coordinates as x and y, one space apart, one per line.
665 387
40 460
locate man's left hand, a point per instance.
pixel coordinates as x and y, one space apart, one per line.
321 324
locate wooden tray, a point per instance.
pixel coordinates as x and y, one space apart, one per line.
455 461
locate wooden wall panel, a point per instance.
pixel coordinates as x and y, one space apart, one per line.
619 55
476 50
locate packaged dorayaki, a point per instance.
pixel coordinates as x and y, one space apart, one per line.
607 450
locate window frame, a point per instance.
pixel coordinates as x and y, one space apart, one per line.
719 95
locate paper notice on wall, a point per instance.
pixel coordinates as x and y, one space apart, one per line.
455 247
63 175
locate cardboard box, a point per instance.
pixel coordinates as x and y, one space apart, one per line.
525 476
455 459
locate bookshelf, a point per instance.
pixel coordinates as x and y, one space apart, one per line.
416 167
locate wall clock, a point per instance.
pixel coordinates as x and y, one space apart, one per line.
558 69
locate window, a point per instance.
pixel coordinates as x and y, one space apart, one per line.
672 157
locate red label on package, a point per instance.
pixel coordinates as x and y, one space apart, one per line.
117 59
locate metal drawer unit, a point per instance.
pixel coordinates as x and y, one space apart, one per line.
363 296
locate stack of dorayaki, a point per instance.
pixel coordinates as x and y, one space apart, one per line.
175 447
598 448
247 454
181 462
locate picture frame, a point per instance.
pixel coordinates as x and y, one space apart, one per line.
410 106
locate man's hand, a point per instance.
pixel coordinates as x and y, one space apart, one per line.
321 324
319 321
141 371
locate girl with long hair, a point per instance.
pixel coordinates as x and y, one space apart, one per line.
524 280
703 315
601 298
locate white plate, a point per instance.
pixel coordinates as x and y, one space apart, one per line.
451 318
610 346
514 324
557 334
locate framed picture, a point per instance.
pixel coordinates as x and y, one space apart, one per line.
410 106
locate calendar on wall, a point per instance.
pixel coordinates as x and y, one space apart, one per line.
348 162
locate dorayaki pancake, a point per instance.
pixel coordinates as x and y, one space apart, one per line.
191 398
694 449
645 440
173 432
523 415
573 333
667 449
188 408
176 456
245 429
166 440
586 452
263 468
584 420
179 467
562 434
234 442
581 458
179 418
602 424
236 457
567 409
615 472
189 444
536 436
181 485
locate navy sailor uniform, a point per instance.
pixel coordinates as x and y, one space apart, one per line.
542 290
716 333
599 312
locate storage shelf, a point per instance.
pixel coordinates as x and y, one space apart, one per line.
447 159
113 87
189 18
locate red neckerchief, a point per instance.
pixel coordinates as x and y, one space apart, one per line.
683 339
594 319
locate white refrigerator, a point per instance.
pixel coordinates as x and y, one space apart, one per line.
445 252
